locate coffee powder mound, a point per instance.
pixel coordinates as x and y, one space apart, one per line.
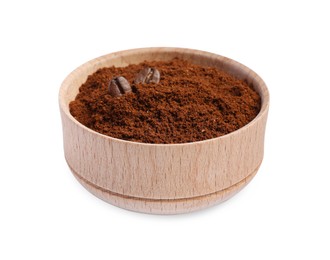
190 103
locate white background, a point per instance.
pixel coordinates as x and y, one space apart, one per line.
282 214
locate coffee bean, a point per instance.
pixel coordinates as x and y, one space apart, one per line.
148 75
119 86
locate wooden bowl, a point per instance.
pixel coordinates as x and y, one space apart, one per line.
162 178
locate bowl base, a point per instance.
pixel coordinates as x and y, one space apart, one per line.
164 206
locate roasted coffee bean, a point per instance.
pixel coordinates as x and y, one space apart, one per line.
119 86
148 75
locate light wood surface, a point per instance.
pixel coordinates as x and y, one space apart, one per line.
162 178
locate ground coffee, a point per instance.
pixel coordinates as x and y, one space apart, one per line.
189 103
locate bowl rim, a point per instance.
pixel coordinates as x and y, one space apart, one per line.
264 93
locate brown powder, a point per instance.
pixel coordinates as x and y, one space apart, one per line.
190 103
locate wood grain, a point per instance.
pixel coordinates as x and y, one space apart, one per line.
163 178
